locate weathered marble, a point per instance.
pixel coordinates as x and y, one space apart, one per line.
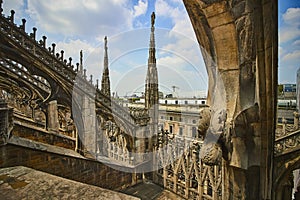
26 183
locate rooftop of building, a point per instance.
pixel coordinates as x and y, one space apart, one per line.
26 183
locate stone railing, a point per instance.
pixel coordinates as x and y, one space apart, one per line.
29 43
287 137
181 171
287 144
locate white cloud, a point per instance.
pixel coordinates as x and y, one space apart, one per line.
183 52
176 1
177 15
81 17
289 41
296 43
290 28
16 5
73 47
292 16
295 55
141 8
288 34
280 50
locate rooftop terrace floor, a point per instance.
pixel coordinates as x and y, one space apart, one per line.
26 183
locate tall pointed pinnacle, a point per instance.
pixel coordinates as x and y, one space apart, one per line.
81 63
152 58
105 53
151 86
105 84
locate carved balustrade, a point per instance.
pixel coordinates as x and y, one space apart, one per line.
183 172
287 137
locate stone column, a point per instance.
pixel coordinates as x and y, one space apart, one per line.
89 121
52 117
296 120
6 123
140 144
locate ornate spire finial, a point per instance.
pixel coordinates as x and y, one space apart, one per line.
23 24
81 57
91 79
105 53
44 41
53 48
62 55
105 41
12 16
1 10
152 19
105 82
34 29
81 62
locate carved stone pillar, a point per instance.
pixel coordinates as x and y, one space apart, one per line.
52 117
6 123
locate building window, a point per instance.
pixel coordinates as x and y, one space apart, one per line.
196 102
180 131
194 121
161 117
202 102
185 102
166 101
171 129
176 101
194 132
160 127
171 118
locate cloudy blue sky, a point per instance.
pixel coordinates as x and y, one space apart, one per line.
289 40
76 25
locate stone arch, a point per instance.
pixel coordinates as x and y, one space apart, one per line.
284 166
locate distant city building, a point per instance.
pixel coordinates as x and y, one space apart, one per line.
178 116
286 91
287 102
